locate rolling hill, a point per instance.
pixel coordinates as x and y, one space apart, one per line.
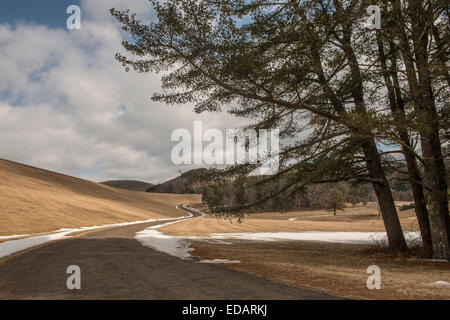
192 181
35 200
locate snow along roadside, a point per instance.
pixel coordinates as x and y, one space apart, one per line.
12 246
179 246
173 245
371 238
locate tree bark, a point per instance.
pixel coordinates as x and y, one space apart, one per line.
397 107
385 199
425 109
431 144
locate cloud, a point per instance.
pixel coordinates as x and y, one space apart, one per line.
67 105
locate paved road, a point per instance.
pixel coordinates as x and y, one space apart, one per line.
116 266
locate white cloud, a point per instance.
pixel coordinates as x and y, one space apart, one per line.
67 105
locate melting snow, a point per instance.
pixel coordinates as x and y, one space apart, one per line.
175 246
179 246
12 246
220 261
9 247
439 284
338 237
13 236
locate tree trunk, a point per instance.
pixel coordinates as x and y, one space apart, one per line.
438 203
381 187
425 109
385 199
398 111
436 172
420 206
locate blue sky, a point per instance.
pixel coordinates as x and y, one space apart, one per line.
51 13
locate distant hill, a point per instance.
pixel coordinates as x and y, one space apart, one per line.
132 185
35 200
192 181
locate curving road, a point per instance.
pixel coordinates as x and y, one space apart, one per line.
116 266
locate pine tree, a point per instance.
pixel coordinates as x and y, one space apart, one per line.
297 66
336 200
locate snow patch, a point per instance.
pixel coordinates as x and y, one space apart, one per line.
208 240
173 245
438 284
179 246
219 261
12 246
337 237
13 236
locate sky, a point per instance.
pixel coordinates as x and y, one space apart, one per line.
67 105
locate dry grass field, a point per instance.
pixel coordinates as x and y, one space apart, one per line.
336 268
358 219
34 200
332 267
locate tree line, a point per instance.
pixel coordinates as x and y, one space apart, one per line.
229 196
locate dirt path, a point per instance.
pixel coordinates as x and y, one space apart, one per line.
115 266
